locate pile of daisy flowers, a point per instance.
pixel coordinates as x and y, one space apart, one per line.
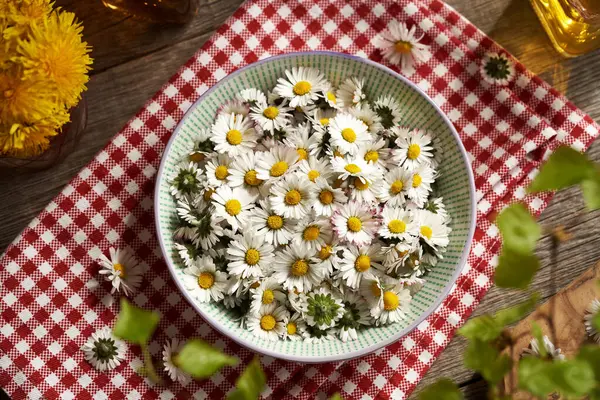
309 209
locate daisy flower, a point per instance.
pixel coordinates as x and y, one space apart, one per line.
274 164
388 110
243 174
591 312
232 108
351 93
187 252
420 185
270 117
269 322
104 351
297 300
122 270
249 255
204 281
330 98
355 223
371 290
358 263
252 96
398 223
320 119
291 197
394 303
170 350
313 233
301 140
267 292
327 199
551 350
394 187
347 133
365 191
295 327
399 45
375 152
368 117
395 255
414 150
354 167
302 86
432 229
316 335
327 257
185 231
185 183
323 308
356 314
313 168
218 170
202 147
232 205
293 268
233 135
497 69
208 230
276 229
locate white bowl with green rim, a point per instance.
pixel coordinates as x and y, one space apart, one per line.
456 186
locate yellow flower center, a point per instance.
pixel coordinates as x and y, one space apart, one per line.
362 263
349 135
326 197
302 87
324 121
302 154
196 157
206 280
268 296
233 207
416 180
271 112
252 257
397 226
426 231
360 185
390 301
352 168
274 222
331 97
403 47
208 194
413 151
267 322
234 137
120 268
279 168
354 224
293 197
313 174
292 328
250 178
325 252
299 268
375 289
396 187
311 233
221 172
372 156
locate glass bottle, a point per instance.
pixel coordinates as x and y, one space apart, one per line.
171 11
572 25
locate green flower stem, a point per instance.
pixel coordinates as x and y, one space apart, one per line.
149 365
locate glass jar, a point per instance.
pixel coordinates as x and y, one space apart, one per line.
171 11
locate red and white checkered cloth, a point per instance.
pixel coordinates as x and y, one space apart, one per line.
52 297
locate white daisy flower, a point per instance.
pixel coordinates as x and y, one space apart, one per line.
295 327
242 173
414 150
330 98
186 180
351 93
534 349
358 263
398 223
269 322
592 311
208 230
297 300
292 196
203 280
187 252
252 96
233 135
249 255
313 233
275 163
395 254
328 258
302 86
170 350
375 152
315 168
122 270
371 290
394 303
218 170
320 119
420 185
315 335
355 223
497 69
270 117
356 314
323 308
388 110
293 268
365 191
394 187
232 108
347 133
327 199
276 229
399 45
354 167
104 351
267 292
432 229
368 117
233 204
202 147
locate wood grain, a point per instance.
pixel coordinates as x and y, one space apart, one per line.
133 59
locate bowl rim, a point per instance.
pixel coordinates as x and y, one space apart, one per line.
355 353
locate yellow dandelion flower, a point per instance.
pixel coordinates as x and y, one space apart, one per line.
22 14
24 100
54 50
31 139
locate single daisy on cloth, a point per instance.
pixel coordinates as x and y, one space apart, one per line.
497 69
270 117
551 350
351 93
294 269
356 314
104 351
218 170
122 270
313 233
414 149
302 87
204 281
400 45
295 327
232 205
323 308
170 349
355 223
249 255
233 135
398 223
185 182
592 311
243 174
394 303
277 230
314 168
269 322
358 263
347 133
292 196
272 165
326 198
267 292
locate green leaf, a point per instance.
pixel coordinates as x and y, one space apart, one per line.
591 354
483 328
535 376
575 378
250 383
336 396
591 191
484 358
520 232
201 360
565 167
444 389
537 334
516 313
515 270
571 378
134 324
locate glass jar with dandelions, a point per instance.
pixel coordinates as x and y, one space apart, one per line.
44 65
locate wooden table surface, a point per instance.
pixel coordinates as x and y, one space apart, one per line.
132 59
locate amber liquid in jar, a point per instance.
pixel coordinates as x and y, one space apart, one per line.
572 25
171 11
